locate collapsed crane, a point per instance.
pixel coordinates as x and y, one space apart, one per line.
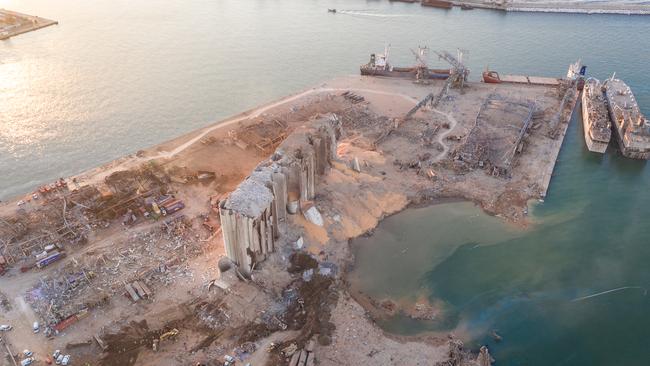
457 77
459 72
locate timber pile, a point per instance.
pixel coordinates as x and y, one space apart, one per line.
251 215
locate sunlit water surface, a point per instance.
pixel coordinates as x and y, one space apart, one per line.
118 76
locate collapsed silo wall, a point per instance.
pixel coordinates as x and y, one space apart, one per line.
253 214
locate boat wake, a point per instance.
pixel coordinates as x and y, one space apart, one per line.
645 292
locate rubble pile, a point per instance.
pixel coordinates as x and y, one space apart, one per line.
68 215
212 315
156 255
61 218
457 356
151 257
53 297
429 134
264 135
122 347
358 119
497 136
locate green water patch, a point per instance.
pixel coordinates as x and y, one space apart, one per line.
556 285
404 247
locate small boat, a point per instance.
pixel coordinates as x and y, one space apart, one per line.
331 10
466 7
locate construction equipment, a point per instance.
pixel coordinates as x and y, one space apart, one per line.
169 334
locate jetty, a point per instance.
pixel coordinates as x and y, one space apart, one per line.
13 23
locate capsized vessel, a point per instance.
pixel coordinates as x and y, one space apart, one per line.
595 117
630 125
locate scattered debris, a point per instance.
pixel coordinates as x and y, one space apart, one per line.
354 98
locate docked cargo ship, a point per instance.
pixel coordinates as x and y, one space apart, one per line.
379 66
630 125
437 4
595 117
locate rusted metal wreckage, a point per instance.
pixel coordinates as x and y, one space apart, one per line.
252 214
497 135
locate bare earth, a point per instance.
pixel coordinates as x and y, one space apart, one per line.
176 256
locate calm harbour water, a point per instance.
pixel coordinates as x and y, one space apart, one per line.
118 76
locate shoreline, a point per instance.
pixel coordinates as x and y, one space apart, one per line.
373 305
411 166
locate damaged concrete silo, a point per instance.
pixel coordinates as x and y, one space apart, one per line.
251 216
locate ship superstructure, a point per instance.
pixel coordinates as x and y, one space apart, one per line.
630 125
595 116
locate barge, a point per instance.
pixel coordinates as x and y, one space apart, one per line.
493 77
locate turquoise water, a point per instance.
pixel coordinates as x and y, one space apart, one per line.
118 76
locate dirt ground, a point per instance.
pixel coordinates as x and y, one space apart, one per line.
197 316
